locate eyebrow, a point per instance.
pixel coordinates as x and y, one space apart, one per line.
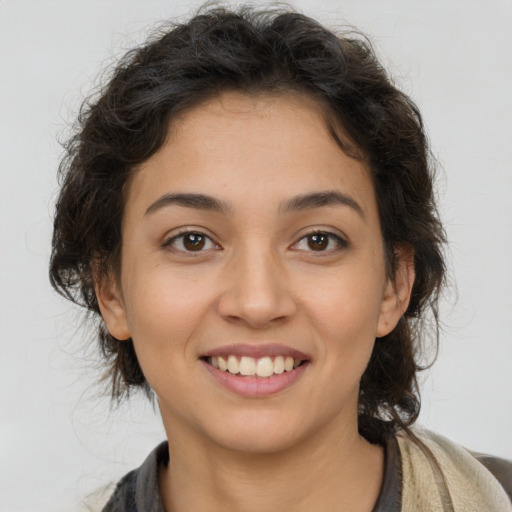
297 203
319 199
196 201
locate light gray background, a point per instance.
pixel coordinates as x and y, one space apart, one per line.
58 440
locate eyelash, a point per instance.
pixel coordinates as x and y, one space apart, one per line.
169 244
340 242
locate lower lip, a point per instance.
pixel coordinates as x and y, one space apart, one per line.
256 386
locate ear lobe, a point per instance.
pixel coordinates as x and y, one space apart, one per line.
111 306
397 293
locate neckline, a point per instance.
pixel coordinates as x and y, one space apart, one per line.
147 493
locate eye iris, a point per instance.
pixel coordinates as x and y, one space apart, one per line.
318 242
193 242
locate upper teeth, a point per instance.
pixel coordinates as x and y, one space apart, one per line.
249 366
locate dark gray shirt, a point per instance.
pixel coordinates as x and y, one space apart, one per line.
138 491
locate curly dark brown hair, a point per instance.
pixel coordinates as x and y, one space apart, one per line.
256 51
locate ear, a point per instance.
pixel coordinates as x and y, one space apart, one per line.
111 306
397 292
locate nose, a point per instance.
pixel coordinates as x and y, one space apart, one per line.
256 290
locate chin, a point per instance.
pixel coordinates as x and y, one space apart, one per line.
258 444
258 435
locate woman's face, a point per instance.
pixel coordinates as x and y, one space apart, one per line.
250 239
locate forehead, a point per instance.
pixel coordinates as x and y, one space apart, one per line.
260 146
290 113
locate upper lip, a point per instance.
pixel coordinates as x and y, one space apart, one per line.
256 351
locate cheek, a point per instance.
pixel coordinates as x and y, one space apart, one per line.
351 297
163 314
346 313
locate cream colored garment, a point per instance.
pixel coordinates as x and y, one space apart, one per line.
462 485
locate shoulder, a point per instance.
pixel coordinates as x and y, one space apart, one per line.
500 468
123 498
439 471
138 490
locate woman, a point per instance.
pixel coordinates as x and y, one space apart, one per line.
247 207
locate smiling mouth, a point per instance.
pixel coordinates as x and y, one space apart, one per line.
254 367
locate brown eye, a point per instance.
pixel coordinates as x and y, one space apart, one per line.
318 242
190 241
193 241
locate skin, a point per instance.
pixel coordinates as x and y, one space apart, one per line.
257 278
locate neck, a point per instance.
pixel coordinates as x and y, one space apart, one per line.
337 470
